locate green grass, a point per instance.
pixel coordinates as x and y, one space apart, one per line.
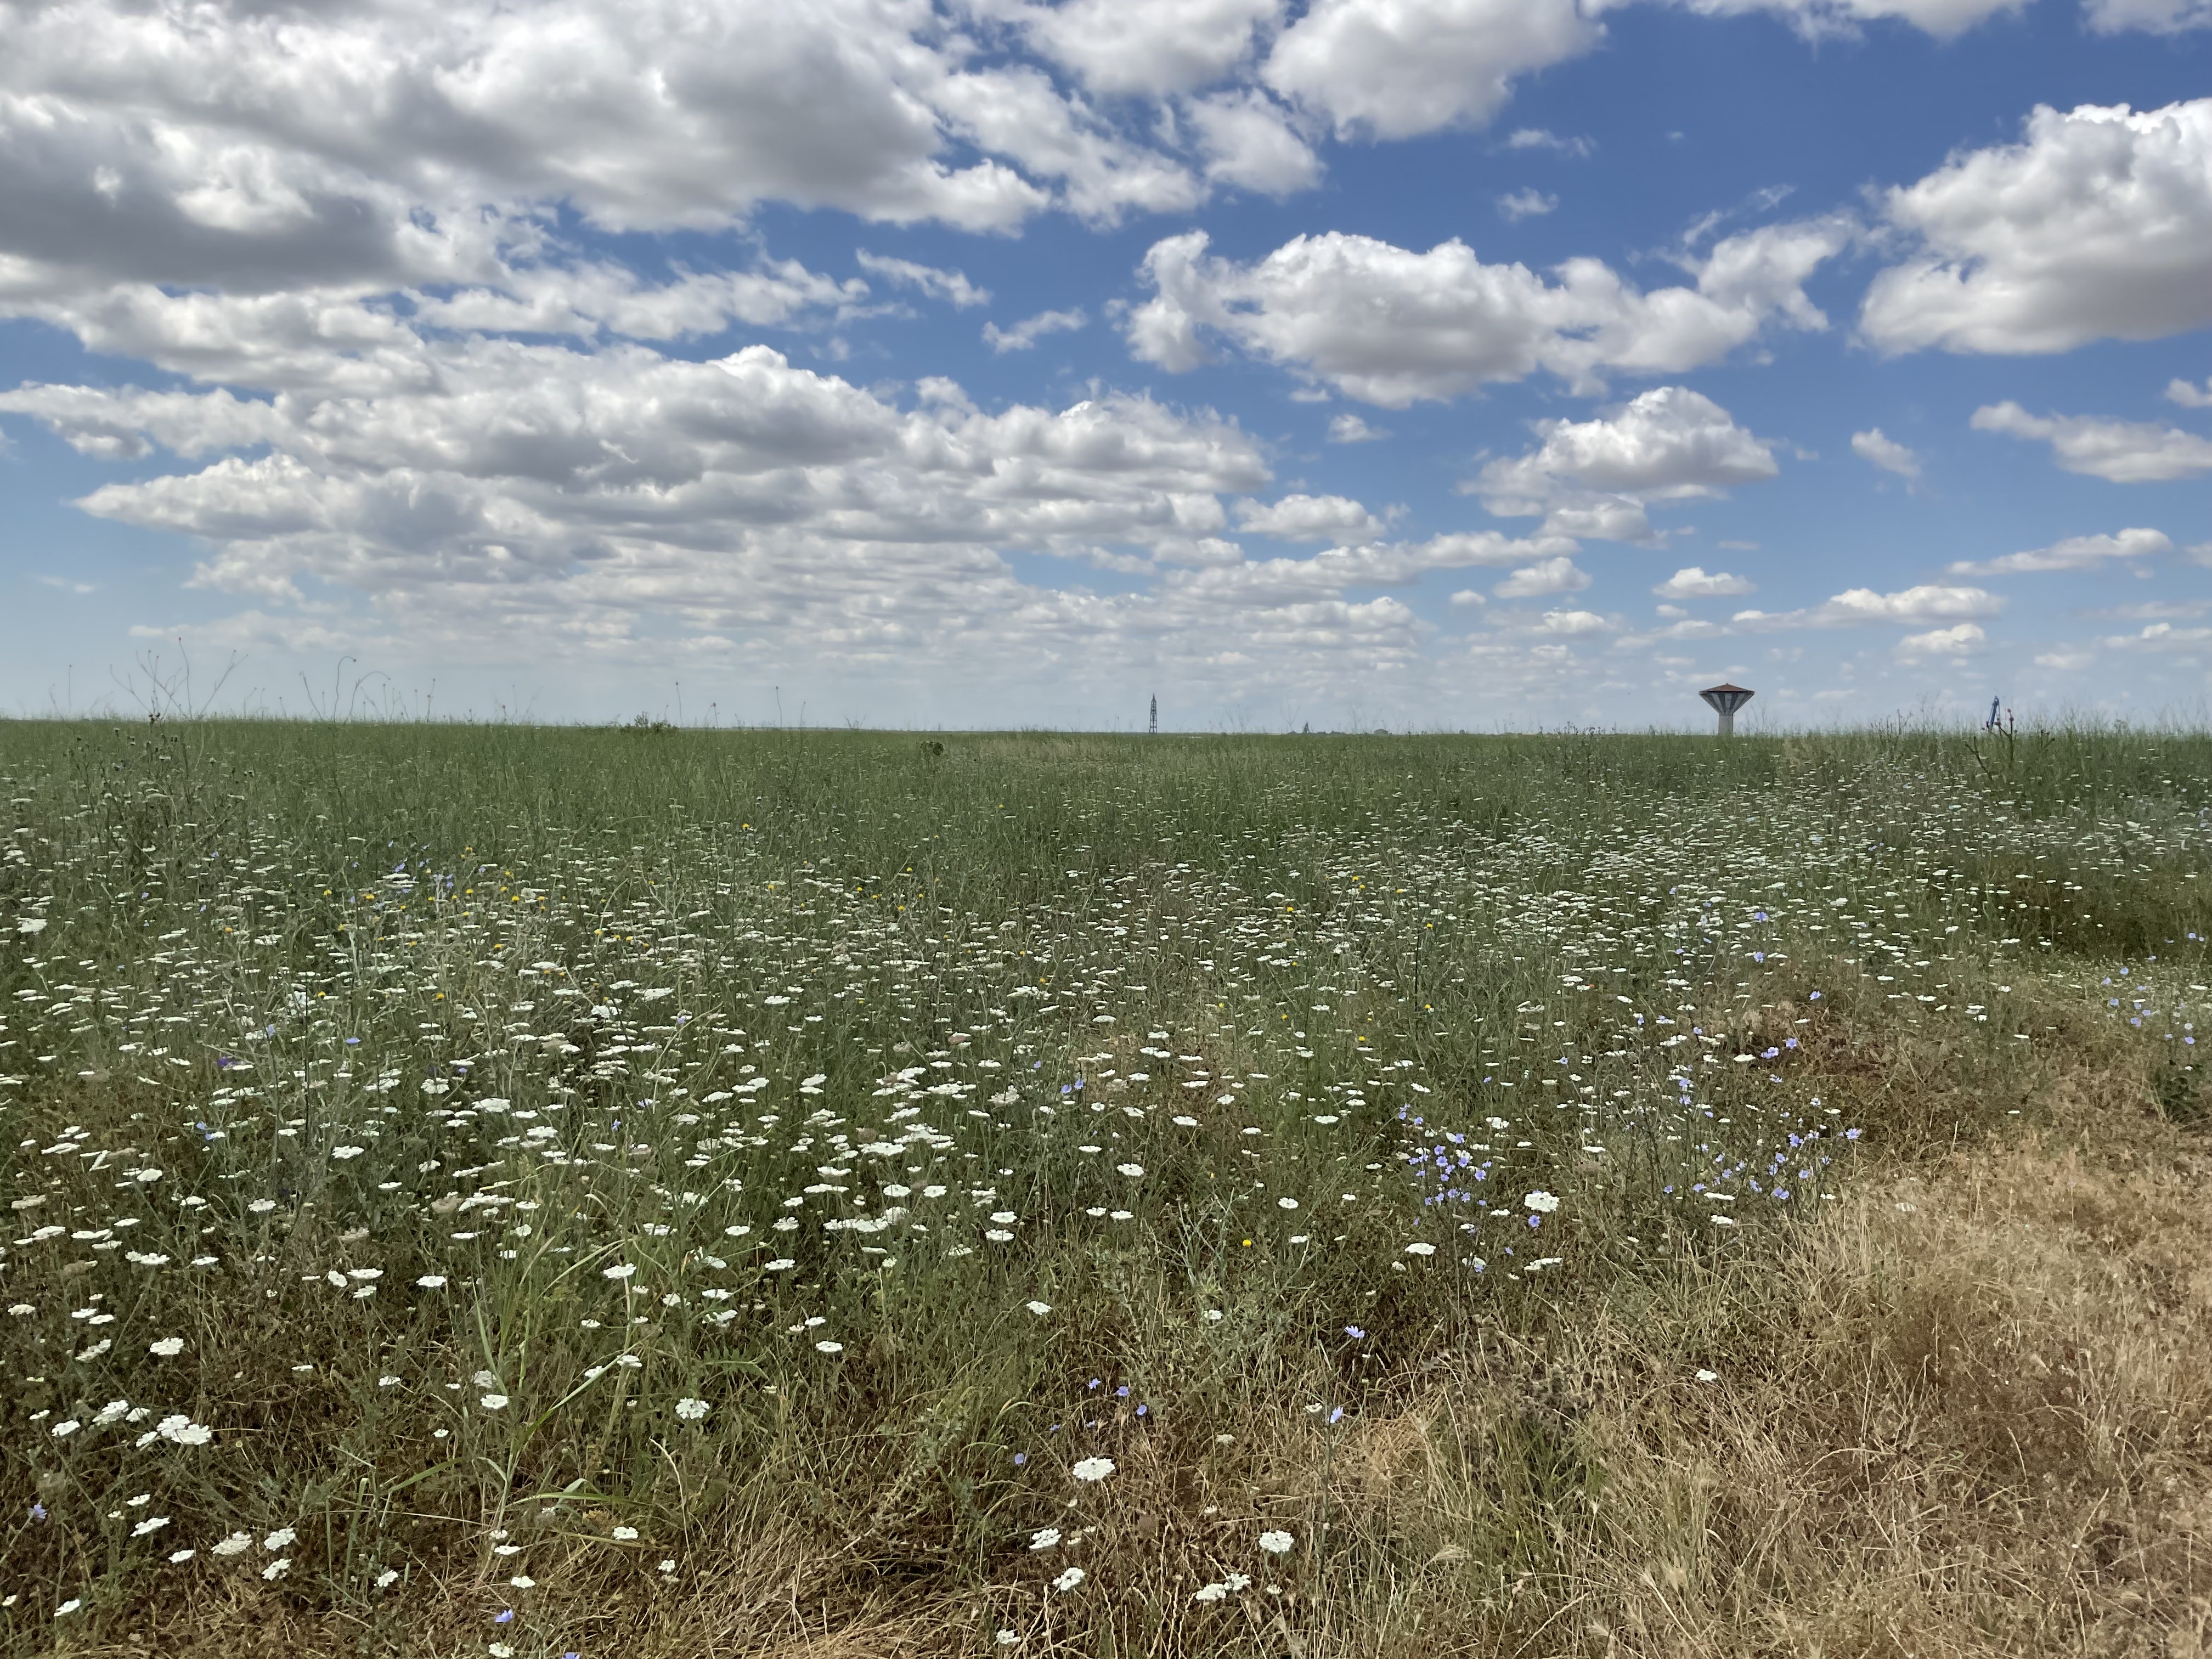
317 1013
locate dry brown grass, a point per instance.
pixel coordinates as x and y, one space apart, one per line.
1967 1414
1975 1421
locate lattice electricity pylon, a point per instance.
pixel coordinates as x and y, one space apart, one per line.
1724 699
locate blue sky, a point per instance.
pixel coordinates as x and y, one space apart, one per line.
987 362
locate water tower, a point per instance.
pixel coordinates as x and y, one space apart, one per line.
1724 699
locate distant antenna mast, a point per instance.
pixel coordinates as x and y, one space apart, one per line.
1724 699
1155 728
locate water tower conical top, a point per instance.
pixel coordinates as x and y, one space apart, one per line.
1724 699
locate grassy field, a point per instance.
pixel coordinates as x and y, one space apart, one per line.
559 1192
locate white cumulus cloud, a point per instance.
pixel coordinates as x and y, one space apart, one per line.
2096 225
1945 19
1391 326
1308 519
1393 69
1027 332
1595 477
1142 47
1327 574
1349 429
528 486
2123 452
2075 553
1857 606
1960 639
1557 575
598 298
1542 138
1885 453
2159 636
950 286
1247 141
1942 18
1570 624
419 496
2153 16
1694 582
230 142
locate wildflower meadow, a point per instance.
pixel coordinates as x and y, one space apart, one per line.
531 1192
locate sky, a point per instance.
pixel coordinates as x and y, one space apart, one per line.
1416 364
